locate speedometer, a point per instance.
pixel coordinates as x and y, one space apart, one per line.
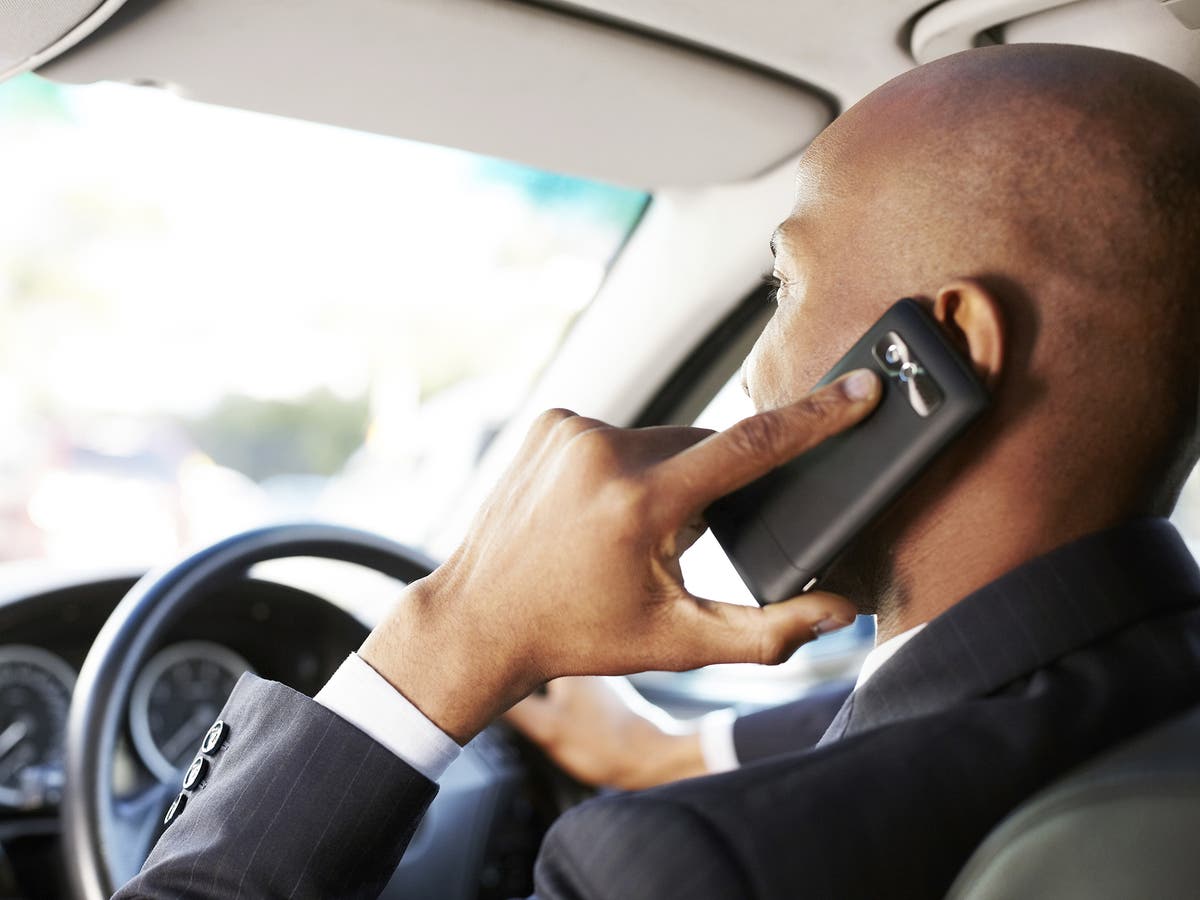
35 693
176 698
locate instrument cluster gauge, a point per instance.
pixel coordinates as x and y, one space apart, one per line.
35 694
176 697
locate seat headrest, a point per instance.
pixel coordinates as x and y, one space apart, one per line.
1125 825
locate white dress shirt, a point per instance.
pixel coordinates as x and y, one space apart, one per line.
362 697
882 653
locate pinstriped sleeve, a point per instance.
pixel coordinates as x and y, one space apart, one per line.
297 803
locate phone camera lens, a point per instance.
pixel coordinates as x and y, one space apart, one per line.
909 371
892 355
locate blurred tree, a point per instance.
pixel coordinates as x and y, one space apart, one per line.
28 98
604 204
314 435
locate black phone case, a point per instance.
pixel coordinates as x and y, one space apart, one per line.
782 531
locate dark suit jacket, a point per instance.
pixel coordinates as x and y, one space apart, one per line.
790 726
1029 676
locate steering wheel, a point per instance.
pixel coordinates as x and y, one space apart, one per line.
106 838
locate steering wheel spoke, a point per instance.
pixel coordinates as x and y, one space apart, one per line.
133 826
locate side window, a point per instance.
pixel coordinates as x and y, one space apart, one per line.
706 570
1187 513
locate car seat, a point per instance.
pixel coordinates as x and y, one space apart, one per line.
1126 825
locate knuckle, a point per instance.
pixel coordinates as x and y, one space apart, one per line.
597 446
758 436
554 416
820 410
582 425
823 414
549 419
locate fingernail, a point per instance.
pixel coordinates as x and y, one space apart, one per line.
829 624
859 384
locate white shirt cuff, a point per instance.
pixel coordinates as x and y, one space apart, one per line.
363 697
716 741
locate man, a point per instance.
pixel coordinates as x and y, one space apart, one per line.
1043 203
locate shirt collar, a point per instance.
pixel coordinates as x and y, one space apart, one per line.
881 653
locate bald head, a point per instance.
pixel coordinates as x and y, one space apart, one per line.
1064 182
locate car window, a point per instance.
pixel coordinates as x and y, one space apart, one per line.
1187 513
214 319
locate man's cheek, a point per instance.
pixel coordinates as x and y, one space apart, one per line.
770 378
756 374
794 373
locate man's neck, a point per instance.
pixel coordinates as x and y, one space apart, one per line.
940 563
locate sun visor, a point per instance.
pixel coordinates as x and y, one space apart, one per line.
33 31
513 80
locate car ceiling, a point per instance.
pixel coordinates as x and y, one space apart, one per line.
648 93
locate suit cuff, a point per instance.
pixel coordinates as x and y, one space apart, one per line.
363 697
716 741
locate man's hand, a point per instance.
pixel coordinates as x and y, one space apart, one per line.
604 733
571 567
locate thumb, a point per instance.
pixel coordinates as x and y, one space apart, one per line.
727 632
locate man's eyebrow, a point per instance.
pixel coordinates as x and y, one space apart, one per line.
775 241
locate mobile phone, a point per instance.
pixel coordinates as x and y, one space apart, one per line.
782 531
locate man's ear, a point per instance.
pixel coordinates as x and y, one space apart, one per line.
971 315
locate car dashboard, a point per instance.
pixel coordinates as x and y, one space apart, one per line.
276 631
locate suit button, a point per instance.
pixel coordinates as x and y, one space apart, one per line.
175 809
195 773
216 736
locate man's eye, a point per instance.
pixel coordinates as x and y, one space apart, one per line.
774 286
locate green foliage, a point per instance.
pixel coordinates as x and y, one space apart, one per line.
602 203
29 98
261 438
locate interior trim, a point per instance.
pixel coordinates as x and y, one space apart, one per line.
957 24
662 36
1140 27
709 366
1186 11
98 17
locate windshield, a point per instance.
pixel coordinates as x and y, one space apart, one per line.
214 319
